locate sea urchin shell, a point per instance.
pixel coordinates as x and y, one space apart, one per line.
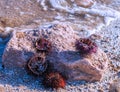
54 80
37 65
43 45
86 46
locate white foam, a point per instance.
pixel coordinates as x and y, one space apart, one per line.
108 14
59 4
108 20
99 11
59 17
26 13
103 11
43 5
8 29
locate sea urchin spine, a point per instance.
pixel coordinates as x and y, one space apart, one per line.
54 80
37 64
43 45
86 46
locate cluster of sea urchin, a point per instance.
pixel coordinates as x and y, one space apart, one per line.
86 46
37 65
54 80
43 45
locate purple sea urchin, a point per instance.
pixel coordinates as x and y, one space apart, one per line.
54 80
37 65
43 45
86 46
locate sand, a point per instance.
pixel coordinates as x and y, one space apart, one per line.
108 39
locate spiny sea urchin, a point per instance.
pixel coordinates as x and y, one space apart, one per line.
86 46
43 45
37 64
54 80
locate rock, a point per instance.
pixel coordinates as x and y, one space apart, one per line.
63 56
2 89
90 68
104 1
115 86
84 3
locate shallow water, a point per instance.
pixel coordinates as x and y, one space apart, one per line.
84 21
3 42
90 19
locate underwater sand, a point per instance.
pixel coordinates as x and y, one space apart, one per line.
107 37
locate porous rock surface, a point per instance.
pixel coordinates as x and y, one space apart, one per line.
63 56
115 86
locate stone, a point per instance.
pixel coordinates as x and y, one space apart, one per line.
115 86
63 55
2 89
104 1
84 3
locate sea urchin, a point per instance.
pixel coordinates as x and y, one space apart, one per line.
54 80
86 46
37 65
43 45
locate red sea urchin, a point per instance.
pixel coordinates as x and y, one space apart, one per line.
86 46
54 80
37 64
43 45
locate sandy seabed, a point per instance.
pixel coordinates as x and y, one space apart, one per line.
108 39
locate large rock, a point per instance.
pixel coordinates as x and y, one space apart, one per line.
63 56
